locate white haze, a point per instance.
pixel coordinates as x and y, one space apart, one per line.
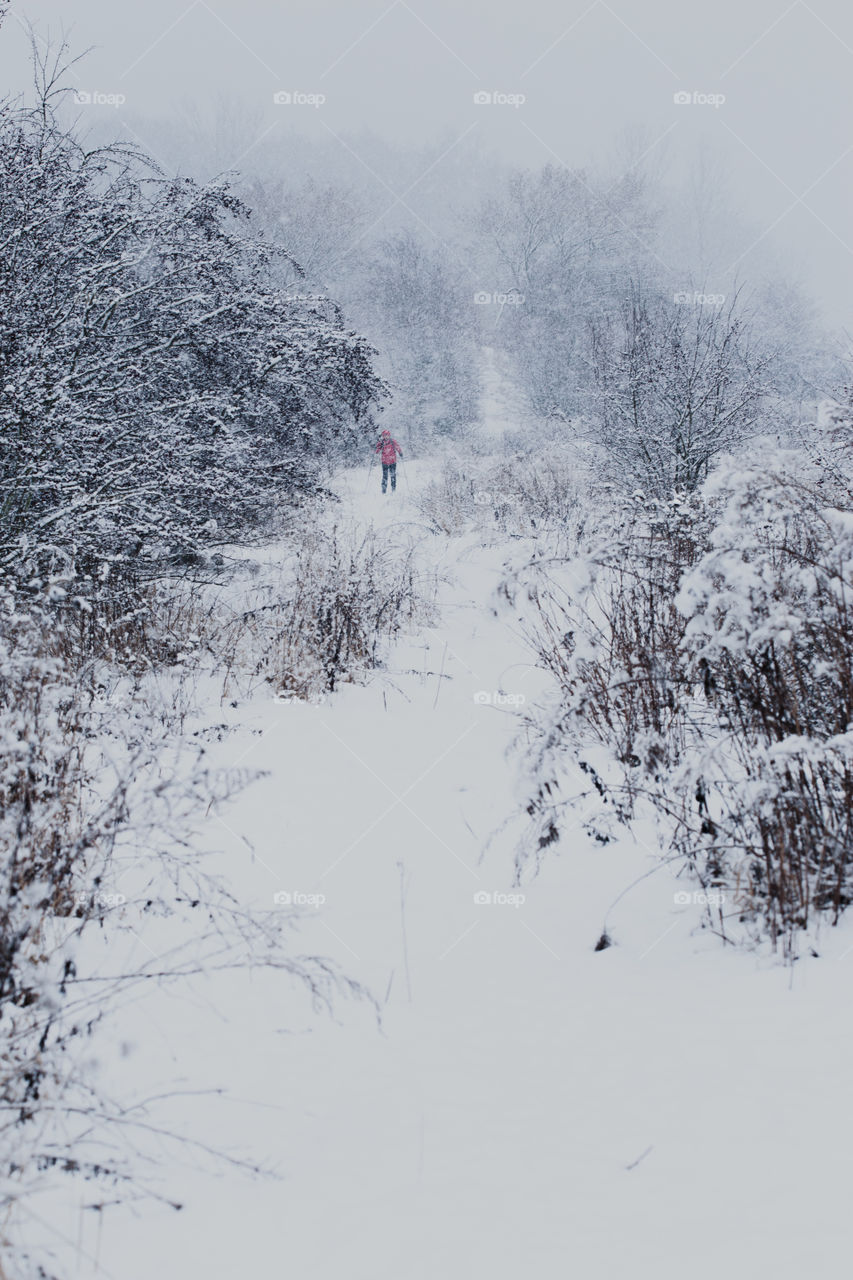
598 82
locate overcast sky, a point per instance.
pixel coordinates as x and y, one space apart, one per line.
410 69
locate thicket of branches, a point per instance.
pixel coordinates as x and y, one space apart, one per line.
159 391
165 387
303 627
513 497
103 801
701 656
675 385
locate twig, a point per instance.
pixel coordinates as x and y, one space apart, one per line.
634 1163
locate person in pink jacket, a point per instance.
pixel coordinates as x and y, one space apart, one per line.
389 450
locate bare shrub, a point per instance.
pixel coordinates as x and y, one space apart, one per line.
675 386
607 629
701 659
322 617
523 495
448 504
102 802
769 636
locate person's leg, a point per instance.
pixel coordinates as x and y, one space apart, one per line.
384 476
393 470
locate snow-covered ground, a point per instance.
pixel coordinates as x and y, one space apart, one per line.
502 407
526 1105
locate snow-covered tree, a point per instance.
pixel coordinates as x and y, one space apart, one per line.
159 390
564 243
427 332
677 383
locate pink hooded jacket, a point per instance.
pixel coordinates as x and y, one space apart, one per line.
389 449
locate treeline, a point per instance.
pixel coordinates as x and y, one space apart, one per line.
611 293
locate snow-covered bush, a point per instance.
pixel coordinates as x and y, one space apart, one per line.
769 637
102 800
55 840
676 385
539 491
322 617
449 503
521 495
608 631
346 600
701 652
159 390
64 805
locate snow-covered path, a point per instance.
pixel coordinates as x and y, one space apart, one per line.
502 407
528 1106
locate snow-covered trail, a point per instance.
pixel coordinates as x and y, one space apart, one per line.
528 1106
502 407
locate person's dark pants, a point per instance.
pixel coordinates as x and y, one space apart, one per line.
389 469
